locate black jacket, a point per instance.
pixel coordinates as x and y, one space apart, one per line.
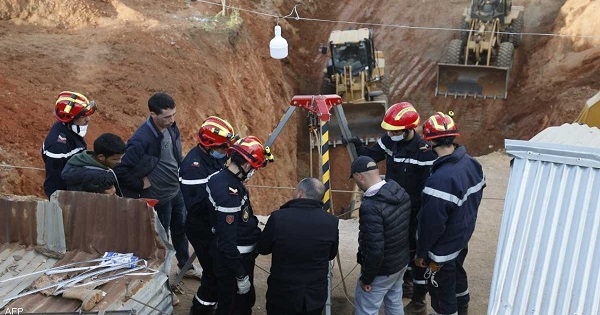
195 170
408 163
233 220
60 144
303 238
82 165
383 232
142 155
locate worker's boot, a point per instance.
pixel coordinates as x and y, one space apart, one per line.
417 305
463 310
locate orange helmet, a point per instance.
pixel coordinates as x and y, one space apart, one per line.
251 150
438 126
72 105
216 132
401 116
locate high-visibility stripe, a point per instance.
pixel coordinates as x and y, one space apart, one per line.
246 249
196 181
387 151
413 161
225 209
62 155
419 282
445 258
325 167
452 198
204 302
462 293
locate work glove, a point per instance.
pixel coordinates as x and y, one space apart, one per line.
354 140
243 285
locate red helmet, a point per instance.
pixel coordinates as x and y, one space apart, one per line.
401 116
251 150
72 105
216 132
438 126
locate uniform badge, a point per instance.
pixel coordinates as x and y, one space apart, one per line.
233 191
425 147
246 214
229 219
61 139
195 164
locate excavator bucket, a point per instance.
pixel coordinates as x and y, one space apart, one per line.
363 120
471 80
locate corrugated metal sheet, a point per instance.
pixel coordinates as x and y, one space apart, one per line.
74 227
549 242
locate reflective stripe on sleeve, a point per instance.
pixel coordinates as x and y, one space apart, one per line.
445 258
62 155
413 161
225 209
196 181
452 198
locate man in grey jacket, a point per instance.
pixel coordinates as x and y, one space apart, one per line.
383 250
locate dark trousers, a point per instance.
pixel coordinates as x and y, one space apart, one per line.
171 214
229 301
452 289
206 296
415 274
278 310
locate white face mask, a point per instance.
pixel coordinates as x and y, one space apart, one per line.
80 130
397 138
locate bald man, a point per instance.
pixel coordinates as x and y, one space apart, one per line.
302 238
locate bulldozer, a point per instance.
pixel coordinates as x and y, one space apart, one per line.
479 63
355 71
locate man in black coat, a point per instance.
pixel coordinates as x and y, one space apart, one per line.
383 250
303 238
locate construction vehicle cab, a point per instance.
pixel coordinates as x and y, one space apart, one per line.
355 71
479 63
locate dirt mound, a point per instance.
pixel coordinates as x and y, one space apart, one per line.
119 52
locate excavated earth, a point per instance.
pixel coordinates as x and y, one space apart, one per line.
119 52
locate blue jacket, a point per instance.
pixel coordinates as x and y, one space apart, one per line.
232 218
195 170
60 144
451 199
142 155
408 163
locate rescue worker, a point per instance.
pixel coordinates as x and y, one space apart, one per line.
203 161
65 139
451 199
108 151
235 226
408 163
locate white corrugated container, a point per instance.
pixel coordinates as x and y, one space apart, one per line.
548 255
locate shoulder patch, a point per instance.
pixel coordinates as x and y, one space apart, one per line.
229 219
233 191
61 138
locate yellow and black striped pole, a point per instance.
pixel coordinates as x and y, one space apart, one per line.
325 166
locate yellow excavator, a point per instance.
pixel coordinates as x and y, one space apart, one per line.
356 72
479 63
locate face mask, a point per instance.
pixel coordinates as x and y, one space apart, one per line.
217 155
397 138
80 130
250 174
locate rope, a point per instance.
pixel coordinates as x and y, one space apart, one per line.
400 26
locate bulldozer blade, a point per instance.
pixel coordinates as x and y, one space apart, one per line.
363 120
471 80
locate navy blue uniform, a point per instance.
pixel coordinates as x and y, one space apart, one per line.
234 249
196 168
451 199
408 163
60 144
